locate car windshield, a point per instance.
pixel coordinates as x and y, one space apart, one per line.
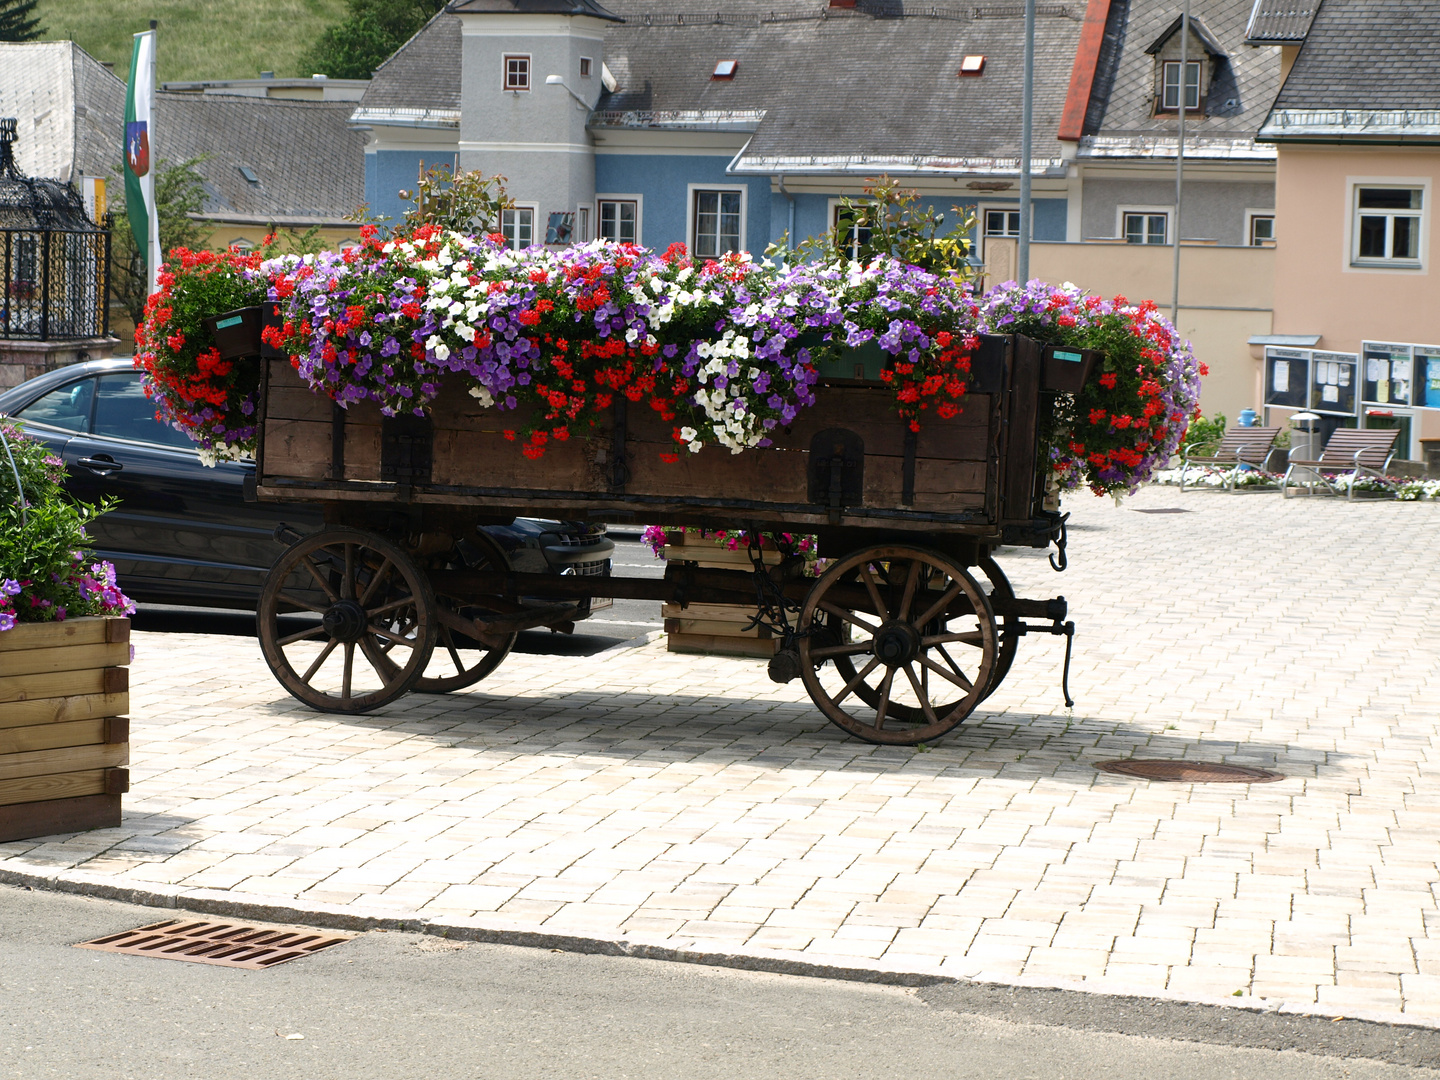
122 411
67 407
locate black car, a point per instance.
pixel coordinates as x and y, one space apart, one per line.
183 532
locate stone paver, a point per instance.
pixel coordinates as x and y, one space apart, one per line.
689 803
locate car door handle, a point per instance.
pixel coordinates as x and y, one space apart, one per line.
101 464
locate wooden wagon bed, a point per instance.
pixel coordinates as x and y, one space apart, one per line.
848 461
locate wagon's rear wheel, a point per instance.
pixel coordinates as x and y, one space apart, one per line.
910 641
336 592
1009 641
461 657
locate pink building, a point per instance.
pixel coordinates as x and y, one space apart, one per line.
1356 333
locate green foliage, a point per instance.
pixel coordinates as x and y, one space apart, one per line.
1205 432
371 31
197 40
179 192
886 220
43 571
18 21
470 202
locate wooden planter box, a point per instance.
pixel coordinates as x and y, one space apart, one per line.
715 628
64 738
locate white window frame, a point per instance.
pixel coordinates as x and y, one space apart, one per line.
1352 240
638 200
1250 216
584 223
690 193
241 243
832 209
534 209
505 72
1122 211
991 208
1165 85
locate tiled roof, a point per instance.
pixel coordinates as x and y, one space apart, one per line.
422 75
1278 22
308 161
1368 54
533 7
38 92
1245 80
851 90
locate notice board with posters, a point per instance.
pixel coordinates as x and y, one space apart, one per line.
1334 383
1389 373
1287 377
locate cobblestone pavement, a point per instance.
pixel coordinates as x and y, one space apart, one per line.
689 803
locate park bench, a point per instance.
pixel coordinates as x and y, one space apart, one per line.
1240 446
1351 451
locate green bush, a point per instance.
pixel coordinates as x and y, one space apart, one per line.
46 572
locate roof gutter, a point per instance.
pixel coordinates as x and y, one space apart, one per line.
1082 75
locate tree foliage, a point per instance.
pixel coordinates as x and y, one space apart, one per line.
18 21
179 192
370 33
887 220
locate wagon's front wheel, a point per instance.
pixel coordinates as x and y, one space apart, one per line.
902 644
325 599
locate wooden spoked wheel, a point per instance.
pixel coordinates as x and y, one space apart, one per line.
1009 643
351 588
903 644
460 658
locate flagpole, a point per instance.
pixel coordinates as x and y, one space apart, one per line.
153 262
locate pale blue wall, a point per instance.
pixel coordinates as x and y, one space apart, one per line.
663 183
391 171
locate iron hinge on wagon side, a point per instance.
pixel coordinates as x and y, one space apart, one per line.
836 471
407 451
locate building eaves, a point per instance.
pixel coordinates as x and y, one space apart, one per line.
587 8
678 119
1149 146
1352 125
1279 23
894 164
448 119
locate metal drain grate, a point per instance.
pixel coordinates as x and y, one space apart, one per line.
1162 510
1189 772
226 944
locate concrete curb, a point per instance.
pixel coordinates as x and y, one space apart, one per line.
252 907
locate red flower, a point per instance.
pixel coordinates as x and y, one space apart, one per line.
1108 380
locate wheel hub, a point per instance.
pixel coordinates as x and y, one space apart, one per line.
896 644
345 621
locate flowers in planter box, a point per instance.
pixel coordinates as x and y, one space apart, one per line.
1131 416
210 399
46 573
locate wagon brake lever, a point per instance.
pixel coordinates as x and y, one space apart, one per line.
1066 630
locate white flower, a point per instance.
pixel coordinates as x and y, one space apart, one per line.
482 395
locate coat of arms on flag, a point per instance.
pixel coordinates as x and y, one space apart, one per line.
137 147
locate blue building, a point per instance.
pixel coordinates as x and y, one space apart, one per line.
723 131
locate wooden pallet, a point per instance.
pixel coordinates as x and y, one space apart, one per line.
64 738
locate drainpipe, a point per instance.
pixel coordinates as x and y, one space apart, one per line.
790 226
1180 161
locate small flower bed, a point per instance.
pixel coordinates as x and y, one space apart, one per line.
1219 477
1131 416
46 573
210 399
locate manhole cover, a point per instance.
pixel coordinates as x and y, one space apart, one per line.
226 944
1189 772
1162 510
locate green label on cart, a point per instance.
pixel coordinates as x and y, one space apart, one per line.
236 320
1073 357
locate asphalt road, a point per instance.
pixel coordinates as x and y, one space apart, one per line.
623 621
392 1006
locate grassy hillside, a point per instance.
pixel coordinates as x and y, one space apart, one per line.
199 39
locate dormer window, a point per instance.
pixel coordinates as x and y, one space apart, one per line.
1170 94
1203 63
725 69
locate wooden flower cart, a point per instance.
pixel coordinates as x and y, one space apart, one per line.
910 626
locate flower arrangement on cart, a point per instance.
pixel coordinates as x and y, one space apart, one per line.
724 350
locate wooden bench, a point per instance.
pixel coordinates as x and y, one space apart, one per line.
1239 446
1349 450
